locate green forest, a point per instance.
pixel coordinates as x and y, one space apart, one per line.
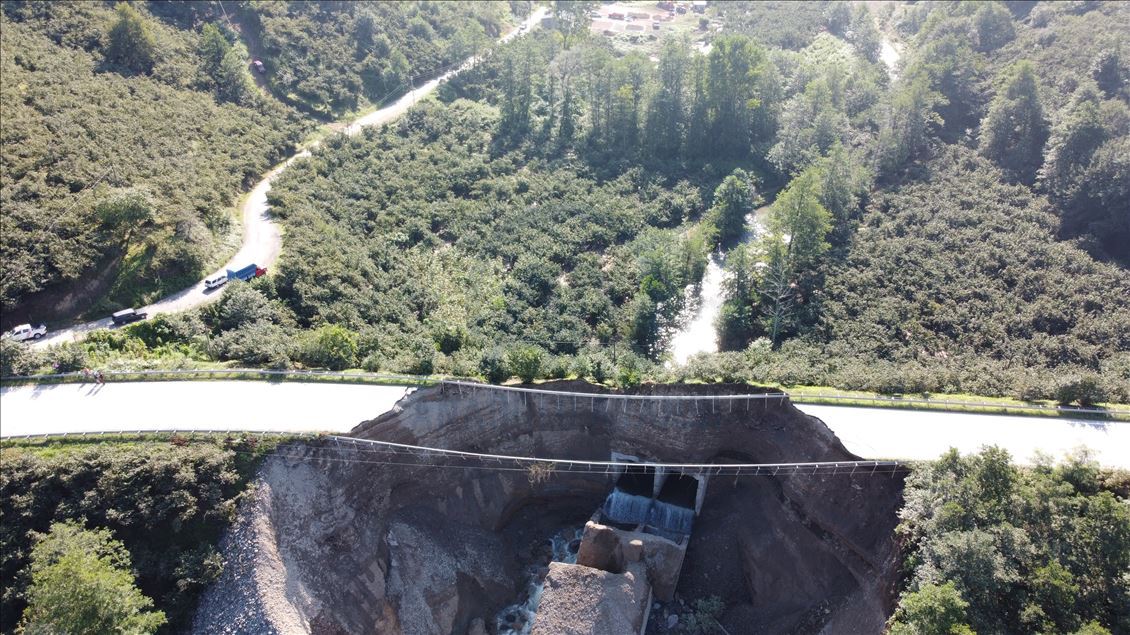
956 224
164 504
113 161
952 218
331 57
131 130
993 548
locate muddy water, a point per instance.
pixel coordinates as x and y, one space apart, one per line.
698 333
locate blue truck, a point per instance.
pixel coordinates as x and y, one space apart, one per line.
243 273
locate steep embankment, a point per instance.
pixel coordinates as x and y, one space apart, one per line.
340 539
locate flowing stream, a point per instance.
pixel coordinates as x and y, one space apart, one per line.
518 619
698 333
889 55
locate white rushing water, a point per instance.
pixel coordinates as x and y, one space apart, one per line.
698 333
889 55
518 619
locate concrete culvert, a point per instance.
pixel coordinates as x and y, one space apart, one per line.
341 539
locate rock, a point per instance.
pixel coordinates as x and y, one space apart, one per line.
662 558
672 621
579 600
600 549
477 627
633 550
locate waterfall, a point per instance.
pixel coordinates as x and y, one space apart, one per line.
626 508
671 518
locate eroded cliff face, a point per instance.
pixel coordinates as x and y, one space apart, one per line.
339 540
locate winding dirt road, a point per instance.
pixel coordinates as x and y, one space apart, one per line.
262 236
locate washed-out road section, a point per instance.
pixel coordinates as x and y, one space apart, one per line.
871 433
262 237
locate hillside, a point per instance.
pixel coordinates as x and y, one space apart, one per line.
109 168
129 133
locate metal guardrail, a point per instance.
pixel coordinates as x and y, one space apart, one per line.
82 434
420 380
472 386
227 373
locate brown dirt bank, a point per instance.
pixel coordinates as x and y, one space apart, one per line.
336 541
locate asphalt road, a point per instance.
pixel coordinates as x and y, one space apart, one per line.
880 433
191 405
262 237
871 433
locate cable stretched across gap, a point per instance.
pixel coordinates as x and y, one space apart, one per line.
407 455
507 462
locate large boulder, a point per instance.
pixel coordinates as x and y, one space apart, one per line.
579 600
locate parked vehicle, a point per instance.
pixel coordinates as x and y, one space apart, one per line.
259 68
215 283
246 273
126 316
26 332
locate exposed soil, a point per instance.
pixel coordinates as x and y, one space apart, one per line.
66 300
346 541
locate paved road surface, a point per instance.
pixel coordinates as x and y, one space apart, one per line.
308 407
877 433
262 238
184 405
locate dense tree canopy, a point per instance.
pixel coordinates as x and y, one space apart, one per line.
166 503
1014 132
330 56
81 583
994 548
80 141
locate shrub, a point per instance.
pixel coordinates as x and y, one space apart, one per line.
449 338
255 344
242 304
1085 391
17 358
67 357
419 357
601 367
526 362
557 367
330 346
105 341
169 328
492 366
373 362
